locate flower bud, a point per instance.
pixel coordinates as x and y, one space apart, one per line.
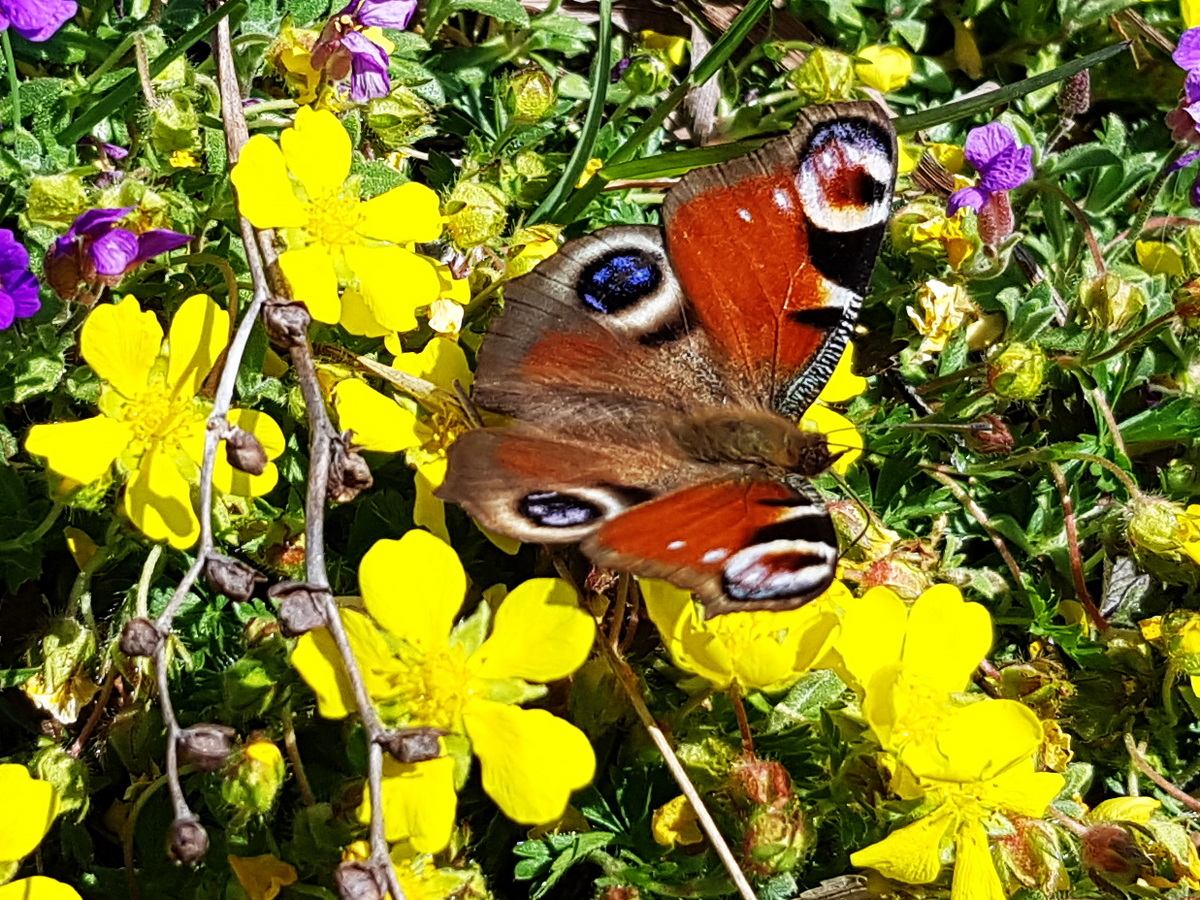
140 637
826 75
1017 372
174 125
400 118
1187 306
647 74
349 474
762 782
900 572
68 775
1031 857
1181 634
245 452
1108 302
777 841
358 880
413 745
620 892
1111 856
1075 94
476 214
286 324
189 841
56 199
995 221
233 578
252 785
207 747
990 435
531 95
1154 524
300 609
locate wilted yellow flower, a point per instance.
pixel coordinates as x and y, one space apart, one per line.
291 54
763 649
675 822
262 877
422 670
184 159
1159 258
941 310
884 68
946 236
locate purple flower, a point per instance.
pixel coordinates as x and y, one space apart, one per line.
1002 165
18 287
1184 120
343 50
35 20
368 68
394 14
96 251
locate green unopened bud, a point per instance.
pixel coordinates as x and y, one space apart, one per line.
1017 372
1154 525
476 214
400 118
647 75
777 841
174 125
531 95
68 775
1108 302
253 783
825 76
56 199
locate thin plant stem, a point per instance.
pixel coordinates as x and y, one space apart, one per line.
307 797
739 709
1121 475
981 517
142 601
14 84
32 537
1081 589
1143 766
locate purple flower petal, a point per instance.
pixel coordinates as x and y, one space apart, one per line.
968 196
23 289
986 143
1196 191
368 68
8 311
13 256
1009 170
115 151
37 20
95 222
160 240
1183 162
386 13
1187 53
114 252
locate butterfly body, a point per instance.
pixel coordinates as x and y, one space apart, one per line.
653 375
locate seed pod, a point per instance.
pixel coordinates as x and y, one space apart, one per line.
189 841
300 609
413 745
1017 372
140 637
357 880
531 95
233 578
245 452
349 473
286 324
206 747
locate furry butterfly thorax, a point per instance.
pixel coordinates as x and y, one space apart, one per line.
653 376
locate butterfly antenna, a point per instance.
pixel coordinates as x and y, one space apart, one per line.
470 410
868 514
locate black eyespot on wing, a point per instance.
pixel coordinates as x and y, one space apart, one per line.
551 509
619 279
847 258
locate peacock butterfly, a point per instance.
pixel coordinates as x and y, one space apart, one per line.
654 375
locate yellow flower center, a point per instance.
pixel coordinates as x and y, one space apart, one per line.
919 710
434 688
158 417
333 220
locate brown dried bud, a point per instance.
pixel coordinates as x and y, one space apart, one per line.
763 782
1075 94
140 637
413 745
62 272
206 747
300 607
1110 854
286 323
358 880
620 892
189 841
245 452
990 435
233 578
349 474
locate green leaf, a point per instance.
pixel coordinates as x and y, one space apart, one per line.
1175 420
806 698
509 11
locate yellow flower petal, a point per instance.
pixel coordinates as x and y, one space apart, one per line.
121 343
1159 258
413 587
264 191
872 634
975 875
30 805
234 481
311 275
158 500
540 633
379 423
428 511
199 332
394 282
973 743
675 822
841 433
83 450
317 660
530 760
911 854
262 877
441 361
674 613
410 212
419 803
843 384
1023 792
357 317
38 887
885 68
946 638
1124 809
317 151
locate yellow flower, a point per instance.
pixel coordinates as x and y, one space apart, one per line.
942 310
262 877
291 54
1159 258
537 243
675 822
30 806
445 313
670 46
762 649
184 159
819 418
392 424
885 68
948 235
1123 809
951 157
424 671
151 422
1189 11
334 237
594 165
